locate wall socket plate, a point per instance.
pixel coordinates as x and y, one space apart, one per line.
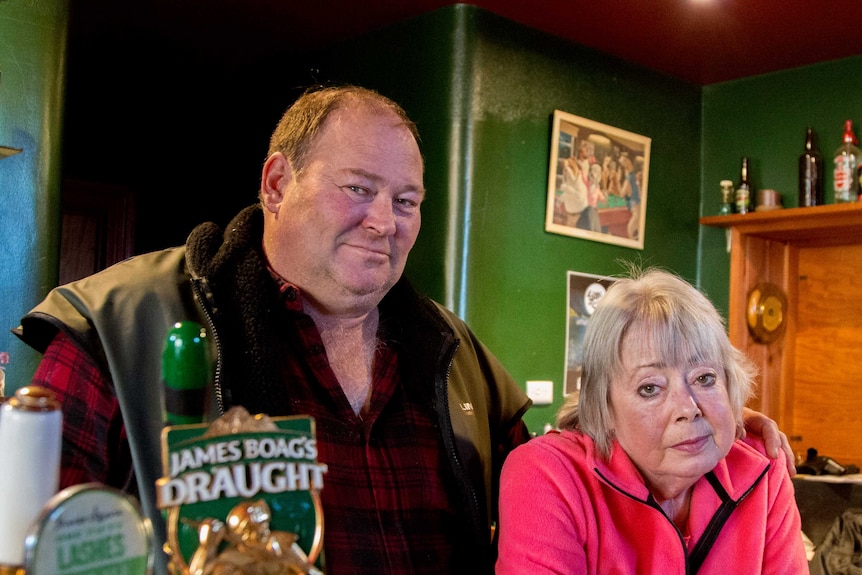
541 392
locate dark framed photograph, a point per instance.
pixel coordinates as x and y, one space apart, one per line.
583 294
597 182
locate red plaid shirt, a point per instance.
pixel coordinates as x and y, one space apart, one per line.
385 505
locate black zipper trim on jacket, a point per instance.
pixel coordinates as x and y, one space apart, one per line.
448 435
446 419
204 295
695 559
649 502
713 529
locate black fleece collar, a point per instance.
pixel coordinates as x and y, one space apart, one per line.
246 297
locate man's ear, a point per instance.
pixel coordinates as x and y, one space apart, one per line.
275 177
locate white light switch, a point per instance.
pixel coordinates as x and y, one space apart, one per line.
541 392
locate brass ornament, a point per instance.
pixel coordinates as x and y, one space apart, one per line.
766 312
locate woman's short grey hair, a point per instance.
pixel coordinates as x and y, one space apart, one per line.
682 323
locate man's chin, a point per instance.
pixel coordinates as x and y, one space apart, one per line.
365 287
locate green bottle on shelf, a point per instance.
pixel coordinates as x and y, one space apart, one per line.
186 373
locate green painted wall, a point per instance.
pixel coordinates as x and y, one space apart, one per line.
32 75
764 117
483 90
516 292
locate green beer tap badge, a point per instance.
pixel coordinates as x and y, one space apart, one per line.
242 495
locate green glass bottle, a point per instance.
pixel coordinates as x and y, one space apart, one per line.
186 373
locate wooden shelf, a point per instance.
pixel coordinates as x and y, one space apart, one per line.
832 224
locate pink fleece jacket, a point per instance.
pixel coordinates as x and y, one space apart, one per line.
565 510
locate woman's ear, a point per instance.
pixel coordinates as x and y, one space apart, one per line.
275 177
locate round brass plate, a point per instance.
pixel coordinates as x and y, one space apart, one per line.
766 313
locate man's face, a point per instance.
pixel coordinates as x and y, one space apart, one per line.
347 221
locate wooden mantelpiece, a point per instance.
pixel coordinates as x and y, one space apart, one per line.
833 224
808 380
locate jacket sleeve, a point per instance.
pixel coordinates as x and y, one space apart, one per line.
95 447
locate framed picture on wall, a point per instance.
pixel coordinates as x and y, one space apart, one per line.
584 292
597 182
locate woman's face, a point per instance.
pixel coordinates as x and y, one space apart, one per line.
674 421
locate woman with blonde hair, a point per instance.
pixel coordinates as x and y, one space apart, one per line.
650 472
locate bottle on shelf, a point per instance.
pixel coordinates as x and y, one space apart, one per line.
727 198
743 188
811 191
846 184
